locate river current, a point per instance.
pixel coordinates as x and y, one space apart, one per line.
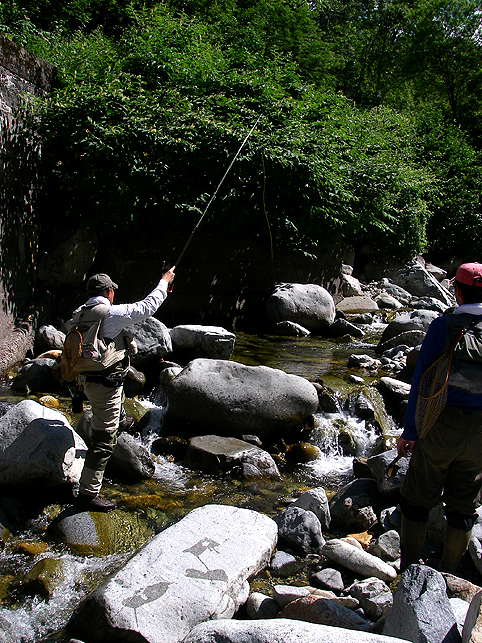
174 490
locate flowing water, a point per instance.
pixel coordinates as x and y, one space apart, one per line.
174 490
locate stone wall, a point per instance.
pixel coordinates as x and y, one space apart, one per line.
21 75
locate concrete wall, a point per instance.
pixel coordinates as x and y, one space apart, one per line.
21 75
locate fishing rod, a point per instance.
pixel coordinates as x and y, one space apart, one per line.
215 192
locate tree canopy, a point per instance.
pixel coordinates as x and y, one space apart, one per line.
367 117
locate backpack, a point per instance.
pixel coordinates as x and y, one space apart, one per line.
85 350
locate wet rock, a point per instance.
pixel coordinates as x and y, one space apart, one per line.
49 401
153 341
134 382
419 596
389 476
168 373
324 612
302 453
356 505
374 597
283 564
228 397
195 570
34 375
44 577
260 606
355 379
418 320
359 405
301 529
193 341
358 560
286 594
328 578
329 399
359 304
290 329
309 305
280 630
170 445
316 500
130 460
362 361
38 447
408 338
99 534
214 454
342 327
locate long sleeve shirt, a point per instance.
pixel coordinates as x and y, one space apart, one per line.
119 316
432 349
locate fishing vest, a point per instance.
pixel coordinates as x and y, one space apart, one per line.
466 369
99 355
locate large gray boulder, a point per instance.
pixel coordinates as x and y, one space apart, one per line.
419 282
192 341
228 398
309 305
153 341
281 630
215 454
38 447
194 571
418 320
421 608
301 529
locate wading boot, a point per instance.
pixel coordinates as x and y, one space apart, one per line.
412 539
84 502
455 545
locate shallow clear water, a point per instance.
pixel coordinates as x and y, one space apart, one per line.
174 490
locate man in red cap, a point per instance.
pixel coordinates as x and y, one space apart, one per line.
104 389
446 463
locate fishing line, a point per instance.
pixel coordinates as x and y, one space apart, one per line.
216 191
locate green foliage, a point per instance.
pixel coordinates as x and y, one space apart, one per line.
153 101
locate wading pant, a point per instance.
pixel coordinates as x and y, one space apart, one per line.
106 403
445 465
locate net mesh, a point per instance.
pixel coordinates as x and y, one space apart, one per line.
432 391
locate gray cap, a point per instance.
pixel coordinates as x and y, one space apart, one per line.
98 283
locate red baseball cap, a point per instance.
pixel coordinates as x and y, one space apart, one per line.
469 274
